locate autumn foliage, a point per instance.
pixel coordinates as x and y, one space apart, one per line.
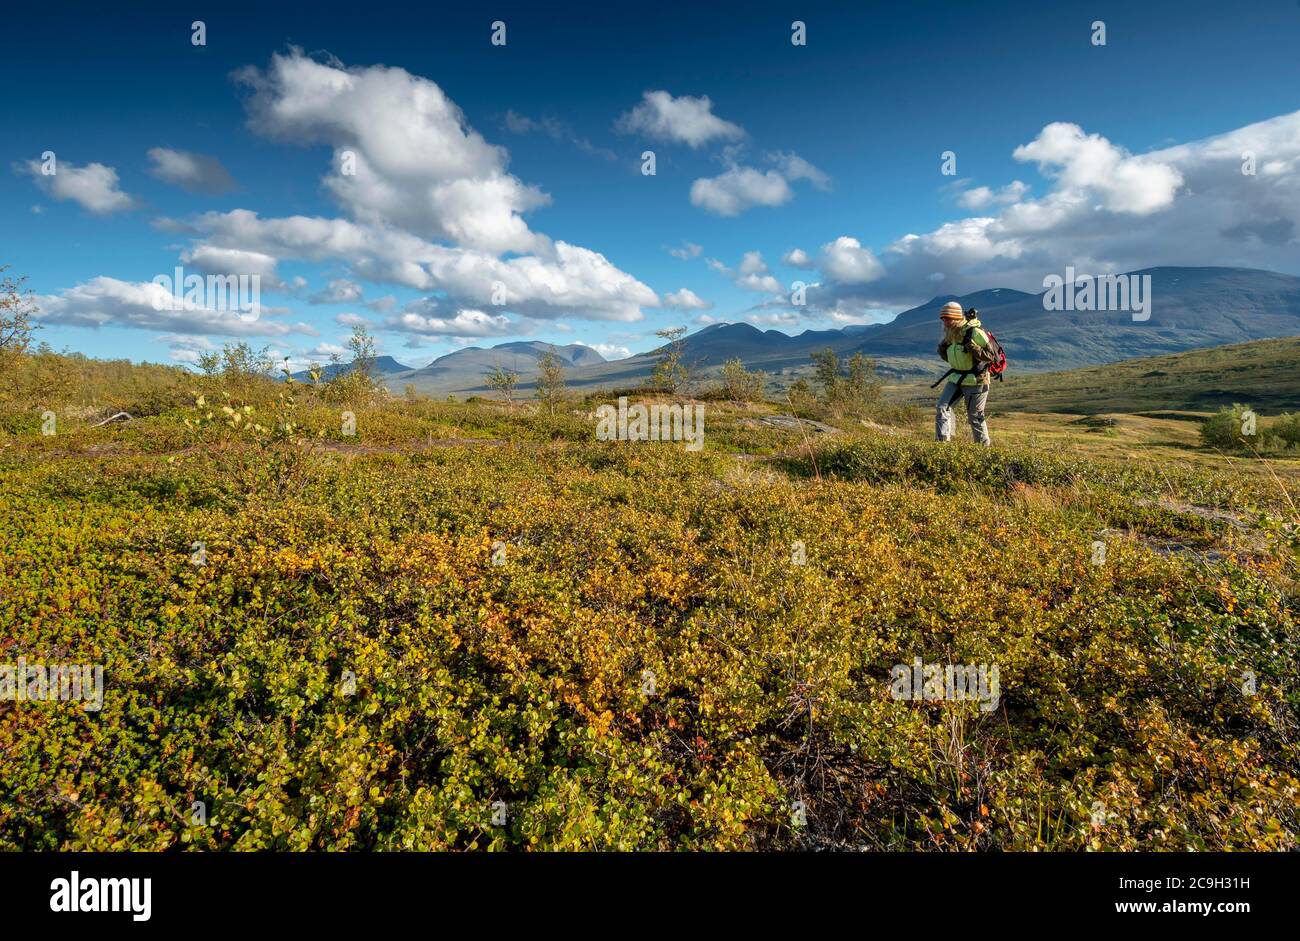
392 631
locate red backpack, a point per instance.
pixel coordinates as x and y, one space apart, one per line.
994 358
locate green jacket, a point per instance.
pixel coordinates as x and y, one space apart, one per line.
959 359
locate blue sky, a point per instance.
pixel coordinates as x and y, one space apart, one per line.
1067 153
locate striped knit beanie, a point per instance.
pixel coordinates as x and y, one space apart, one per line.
952 312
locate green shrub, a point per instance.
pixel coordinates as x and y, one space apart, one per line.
1239 430
1225 429
945 466
1286 428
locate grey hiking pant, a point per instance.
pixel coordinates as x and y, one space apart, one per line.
976 397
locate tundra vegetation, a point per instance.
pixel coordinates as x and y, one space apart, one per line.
471 625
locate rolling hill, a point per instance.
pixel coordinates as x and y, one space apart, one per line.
1264 374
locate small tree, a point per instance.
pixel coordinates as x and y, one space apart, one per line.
236 367
504 381
862 388
362 345
16 310
210 364
739 384
550 381
827 372
238 372
669 373
854 390
241 362
355 383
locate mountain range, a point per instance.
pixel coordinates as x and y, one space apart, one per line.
464 369
382 367
1190 308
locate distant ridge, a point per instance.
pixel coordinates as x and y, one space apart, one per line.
1191 308
382 366
465 369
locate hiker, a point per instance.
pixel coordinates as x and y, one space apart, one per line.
966 348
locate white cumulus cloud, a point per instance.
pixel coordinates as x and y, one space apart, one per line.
431 205
94 187
684 120
740 188
611 351
1107 211
1089 162
981 197
686 299
846 261
752 274
146 305
418 164
797 258
464 323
